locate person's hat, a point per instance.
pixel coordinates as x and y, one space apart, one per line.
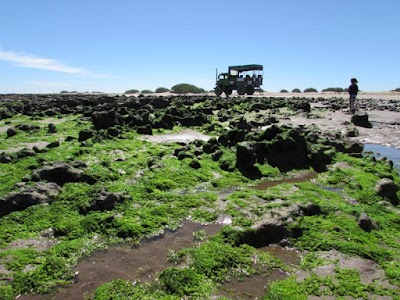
354 80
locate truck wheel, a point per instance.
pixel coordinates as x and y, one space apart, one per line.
218 91
250 90
228 91
241 90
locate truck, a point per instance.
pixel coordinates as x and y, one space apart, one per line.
245 79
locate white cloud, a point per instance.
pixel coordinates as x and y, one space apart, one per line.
35 62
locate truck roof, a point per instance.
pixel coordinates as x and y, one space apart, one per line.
246 67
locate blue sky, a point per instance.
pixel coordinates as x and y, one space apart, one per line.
113 46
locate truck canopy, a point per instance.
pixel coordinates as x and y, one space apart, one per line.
244 68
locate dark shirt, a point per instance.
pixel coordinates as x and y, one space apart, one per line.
353 89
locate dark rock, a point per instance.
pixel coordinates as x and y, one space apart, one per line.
28 196
104 202
303 105
146 129
105 119
79 164
361 120
62 173
287 151
159 102
25 153
354 148
4 159
11 132
85 134
112 131
310 209
366 223
246 156
386 188
216 155
36 149
264 234
195 164
320 158
352 132
69 138
53 144
240 124
26 127
19 201
51 128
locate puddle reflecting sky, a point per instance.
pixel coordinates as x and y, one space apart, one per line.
383 151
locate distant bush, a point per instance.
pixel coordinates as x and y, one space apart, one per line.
296 91
310 90
284 91
131 91
146 92
396 90
333 89
162 90
184 88
69 92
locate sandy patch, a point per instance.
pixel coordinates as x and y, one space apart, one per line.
384 131
21 146
185 136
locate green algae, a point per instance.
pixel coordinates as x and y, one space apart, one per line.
163 189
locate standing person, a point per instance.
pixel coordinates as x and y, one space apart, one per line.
353 90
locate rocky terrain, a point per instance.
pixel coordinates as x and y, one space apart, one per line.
80 173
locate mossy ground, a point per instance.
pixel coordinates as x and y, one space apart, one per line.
164 189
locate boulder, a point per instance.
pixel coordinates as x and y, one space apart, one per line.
19 201
386 188
159 102
366 223
25 153
105 119
51 128
62 173
26 127
11 132
4 158
195 164
361 120
53 144
287 151
103 202
29 195
146 129
85 134
246 157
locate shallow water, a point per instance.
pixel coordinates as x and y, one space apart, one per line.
142 263
301 177
256 286
383 151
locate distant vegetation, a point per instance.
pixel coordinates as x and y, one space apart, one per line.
162 90
334 89
310 90
284 91
184 88
146 92
131 91
296 91
396 90
68 92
